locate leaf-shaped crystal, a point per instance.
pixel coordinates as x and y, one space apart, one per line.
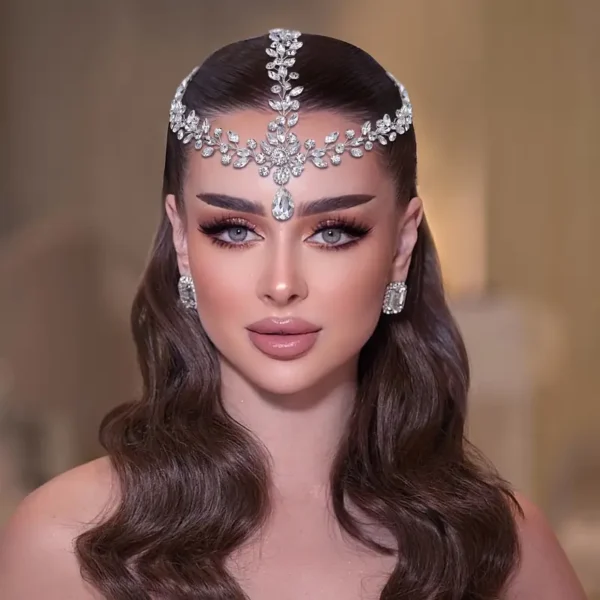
273 75
382 140
271 52
266 148
366 128
198 144
241 162
332 137
275 104
233 137
188 138
356 152
293 119
276 89
208 151
205 126
319 162
294 75
297 91
243 152
272 137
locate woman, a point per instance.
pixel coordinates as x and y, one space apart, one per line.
300 431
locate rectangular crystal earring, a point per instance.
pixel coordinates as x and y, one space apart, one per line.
395 297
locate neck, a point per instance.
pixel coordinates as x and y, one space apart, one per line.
301 431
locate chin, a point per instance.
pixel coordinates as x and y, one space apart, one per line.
285 378
327 365
313 373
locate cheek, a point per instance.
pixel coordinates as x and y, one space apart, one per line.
351 288
221 283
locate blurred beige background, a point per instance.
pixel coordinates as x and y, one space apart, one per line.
506 109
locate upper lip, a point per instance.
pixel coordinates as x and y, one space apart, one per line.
287 326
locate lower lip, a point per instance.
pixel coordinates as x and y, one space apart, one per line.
284 347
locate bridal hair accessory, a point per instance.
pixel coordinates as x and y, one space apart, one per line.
395 297
281 152
187 292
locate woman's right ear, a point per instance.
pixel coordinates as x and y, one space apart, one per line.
179 234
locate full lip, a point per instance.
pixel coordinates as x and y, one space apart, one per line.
283 326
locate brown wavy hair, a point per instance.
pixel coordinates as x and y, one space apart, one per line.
194 483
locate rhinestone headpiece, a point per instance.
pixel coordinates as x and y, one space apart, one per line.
281 152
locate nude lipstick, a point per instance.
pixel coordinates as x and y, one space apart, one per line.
283 339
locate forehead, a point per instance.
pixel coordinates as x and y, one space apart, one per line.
353 176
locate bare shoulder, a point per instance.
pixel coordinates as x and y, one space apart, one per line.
545 571
37 558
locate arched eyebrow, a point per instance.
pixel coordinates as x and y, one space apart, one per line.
314 207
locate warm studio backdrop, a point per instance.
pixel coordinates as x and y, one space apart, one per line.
505 97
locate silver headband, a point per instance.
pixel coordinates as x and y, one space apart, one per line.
281 151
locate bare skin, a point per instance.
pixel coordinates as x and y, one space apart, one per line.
37 560
296 407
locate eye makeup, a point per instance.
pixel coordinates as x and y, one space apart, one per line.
339 233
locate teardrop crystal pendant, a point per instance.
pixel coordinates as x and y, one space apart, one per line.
283 205
395 297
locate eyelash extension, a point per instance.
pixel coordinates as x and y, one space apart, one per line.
351 227
219 225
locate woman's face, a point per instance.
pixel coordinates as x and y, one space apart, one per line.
289 304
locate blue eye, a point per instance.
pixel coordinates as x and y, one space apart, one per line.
338 234
332 236
229 233
237 235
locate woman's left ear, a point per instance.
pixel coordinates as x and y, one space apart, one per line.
408 232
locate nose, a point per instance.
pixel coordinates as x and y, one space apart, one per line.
282 282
